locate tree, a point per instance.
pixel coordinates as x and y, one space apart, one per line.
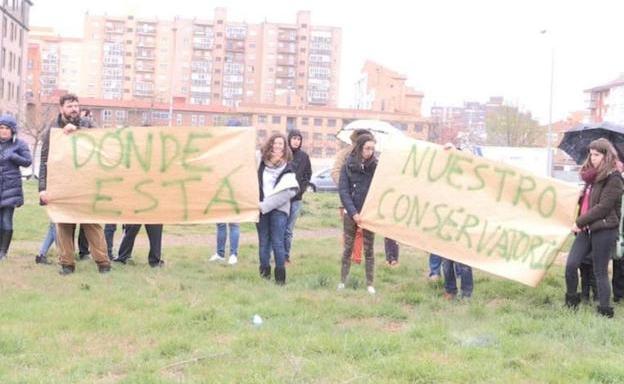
507 126
34 125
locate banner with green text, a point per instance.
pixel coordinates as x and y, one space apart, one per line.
488 215
153 175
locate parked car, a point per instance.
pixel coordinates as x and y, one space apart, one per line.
321 181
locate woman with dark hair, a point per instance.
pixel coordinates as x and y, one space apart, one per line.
596 227
14 153
278 184
355 180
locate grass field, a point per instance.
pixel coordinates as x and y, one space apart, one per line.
190 322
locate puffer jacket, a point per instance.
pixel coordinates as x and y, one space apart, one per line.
605 202
355 180
14 153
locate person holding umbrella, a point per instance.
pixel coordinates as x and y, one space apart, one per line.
596 227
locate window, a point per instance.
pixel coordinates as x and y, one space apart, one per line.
107 115
202 120
193 120
318 122
276 119
331 122
305 120
120 115
178 119
262 133
317 136
262 119
330 137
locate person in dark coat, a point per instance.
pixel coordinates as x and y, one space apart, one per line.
14 153
355 180
596 227
303 172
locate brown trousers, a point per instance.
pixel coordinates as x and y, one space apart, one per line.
95 238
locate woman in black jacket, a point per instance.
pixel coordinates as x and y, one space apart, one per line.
596 227
14 153
355 180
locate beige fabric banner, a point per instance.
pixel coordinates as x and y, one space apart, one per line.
169 175
488 215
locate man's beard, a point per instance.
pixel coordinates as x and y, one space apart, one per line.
72 119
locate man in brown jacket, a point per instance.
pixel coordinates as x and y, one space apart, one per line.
69 121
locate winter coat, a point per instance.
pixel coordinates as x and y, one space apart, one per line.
284 189
605 202
355 180
300 165
14 153
45 147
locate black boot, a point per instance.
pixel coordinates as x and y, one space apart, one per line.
572 300
42 259
605 311
5 242
265 272
280 275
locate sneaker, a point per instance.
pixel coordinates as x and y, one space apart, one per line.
104 269
371 290
341 286
216 257
118 260
41 259
66 270
233 260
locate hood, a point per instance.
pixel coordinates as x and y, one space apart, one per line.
295 133
10 122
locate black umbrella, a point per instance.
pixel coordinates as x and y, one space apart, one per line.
576 141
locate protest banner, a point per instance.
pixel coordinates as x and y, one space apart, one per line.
488 215
153 175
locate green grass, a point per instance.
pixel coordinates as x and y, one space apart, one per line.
191 321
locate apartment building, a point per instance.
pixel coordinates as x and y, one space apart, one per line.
382 89
208 61
13 42
606 102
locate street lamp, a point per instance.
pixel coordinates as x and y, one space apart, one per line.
549 158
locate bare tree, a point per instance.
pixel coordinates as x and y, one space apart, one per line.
34 125
507 126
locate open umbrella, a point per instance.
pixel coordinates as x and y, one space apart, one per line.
383 132
576 141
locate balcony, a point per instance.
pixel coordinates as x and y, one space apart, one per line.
283 73
290 37
146 30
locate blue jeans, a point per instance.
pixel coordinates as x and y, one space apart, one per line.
435 264
295 208
48 240
271 231
6 218
222 238
453 268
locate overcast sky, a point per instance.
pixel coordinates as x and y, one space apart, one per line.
452 50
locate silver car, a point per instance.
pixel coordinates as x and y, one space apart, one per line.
322 181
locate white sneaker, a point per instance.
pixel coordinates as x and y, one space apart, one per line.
341 286
216 257
233 260
371 289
